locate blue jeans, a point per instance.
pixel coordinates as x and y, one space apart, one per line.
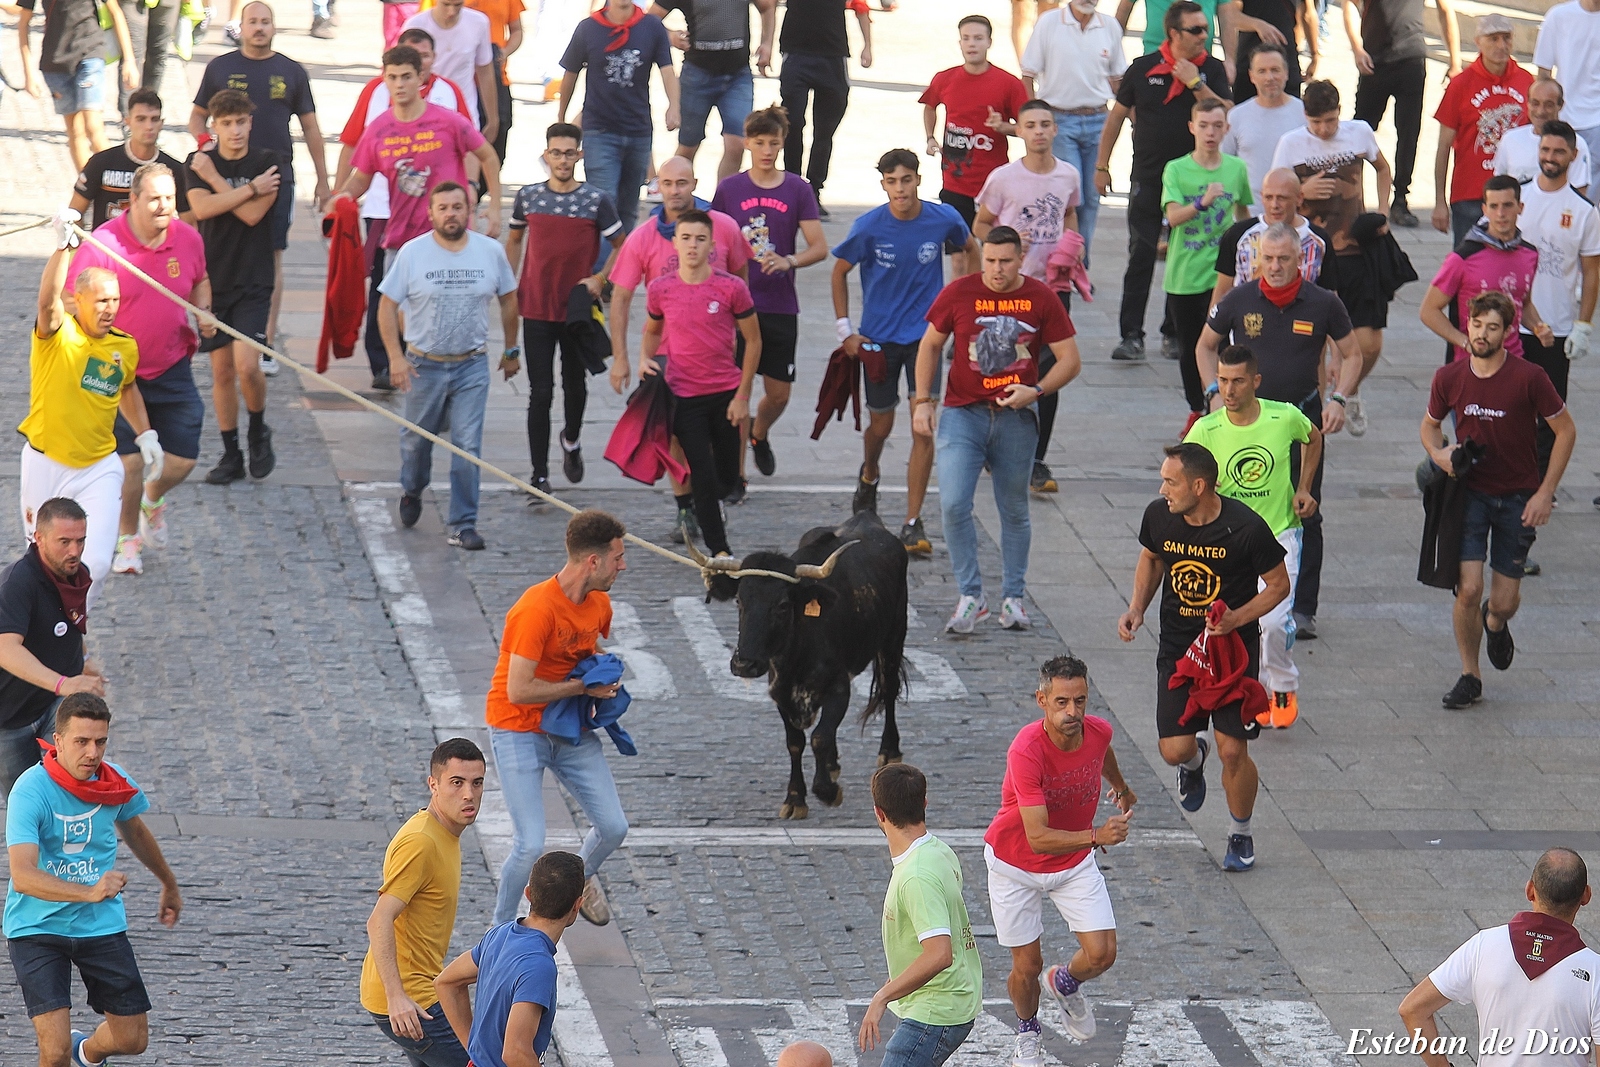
19 747
453 395
521 757
733 96
1078 142
439 1046
967 438
915 1044
320 9
617 164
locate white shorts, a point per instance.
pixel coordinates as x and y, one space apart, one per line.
98 490
1016 899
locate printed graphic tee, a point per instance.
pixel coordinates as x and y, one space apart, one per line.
617 88
567 231
1065 784
446 296
1035 205
971 150
902 267
1511 271
1563 226
1192 248
414 157
1351 147
1253 461
769 220
998 336
107 179
1480 107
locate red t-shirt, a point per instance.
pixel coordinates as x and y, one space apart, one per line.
998 335
1067 784
1480 108
971 149
1497 412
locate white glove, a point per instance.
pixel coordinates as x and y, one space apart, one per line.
62 220
150 448
1578 340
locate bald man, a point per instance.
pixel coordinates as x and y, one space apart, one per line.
1238 254
805 1054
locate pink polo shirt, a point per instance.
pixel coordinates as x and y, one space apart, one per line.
162 328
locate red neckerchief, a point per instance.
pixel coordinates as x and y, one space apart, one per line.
108 787
1539 942
74 591
1282 296
1175 89
619 34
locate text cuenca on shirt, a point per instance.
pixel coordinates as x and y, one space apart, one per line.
998 336
902 267
971 150
447 297
1065 784
1564 227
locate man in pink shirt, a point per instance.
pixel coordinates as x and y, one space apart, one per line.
152 237
416 146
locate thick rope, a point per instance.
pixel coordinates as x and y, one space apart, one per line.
25 229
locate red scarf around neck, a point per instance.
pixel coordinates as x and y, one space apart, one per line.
108 787
619 31
74 591
1539 942
1175 89
1281 297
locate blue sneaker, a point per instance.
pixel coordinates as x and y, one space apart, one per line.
1192 784
1241 853
78 1060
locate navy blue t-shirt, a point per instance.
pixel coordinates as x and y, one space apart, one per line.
902 268
617 91
516 965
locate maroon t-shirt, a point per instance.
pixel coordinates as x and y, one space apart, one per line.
998 335
1499 413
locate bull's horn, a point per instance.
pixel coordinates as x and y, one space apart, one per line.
809 570
754 573
694 553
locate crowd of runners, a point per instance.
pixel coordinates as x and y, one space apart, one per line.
1278 283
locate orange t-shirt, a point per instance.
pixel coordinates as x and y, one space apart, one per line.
546 627
501 14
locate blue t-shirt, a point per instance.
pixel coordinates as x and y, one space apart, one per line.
77 843
616 94
516 965
447 297
902 268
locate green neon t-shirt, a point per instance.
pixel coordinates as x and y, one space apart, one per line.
924 900
1192 247
1253 460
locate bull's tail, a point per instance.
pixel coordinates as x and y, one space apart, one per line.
889 677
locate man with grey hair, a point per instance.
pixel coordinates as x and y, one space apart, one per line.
1532 979
1518 153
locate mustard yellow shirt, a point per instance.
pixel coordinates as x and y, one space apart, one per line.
77 381
422 868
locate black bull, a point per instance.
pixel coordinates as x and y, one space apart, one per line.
811 622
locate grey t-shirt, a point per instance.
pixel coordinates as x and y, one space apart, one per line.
447 296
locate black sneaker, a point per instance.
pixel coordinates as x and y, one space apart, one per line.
822 212
1531 568
686 521
1241 853
542 484
410 510
1042 481
230 468
736 495
262 459
1466 692
1130 350
381 382
866 498
1305 627
915 537
1400 215
572 462
1500 646
766 463
466 538
1192 784
1169 348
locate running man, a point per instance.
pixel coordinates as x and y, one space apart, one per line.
1199 547
1239 250
65 815
897 245
1253 441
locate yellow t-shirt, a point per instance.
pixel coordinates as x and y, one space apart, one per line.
422 868
77 380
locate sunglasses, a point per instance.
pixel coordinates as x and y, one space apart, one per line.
1194 31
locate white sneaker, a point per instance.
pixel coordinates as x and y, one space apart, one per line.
970 610
1355 417
1030 1049
127 560
153 522
652 192
592 905
1012 617
1077 1016
269 366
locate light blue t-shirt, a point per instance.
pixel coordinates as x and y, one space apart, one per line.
447 297
902 268
516 965
77 843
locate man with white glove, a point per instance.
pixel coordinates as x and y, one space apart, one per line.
63 221
1578 341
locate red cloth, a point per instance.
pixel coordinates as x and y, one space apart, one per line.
1284 296
1214 668
1064 270
1165 67
641 441
619 31
74 592
841 388
1539 942
344 306
107 787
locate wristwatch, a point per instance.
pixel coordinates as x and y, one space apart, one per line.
512 353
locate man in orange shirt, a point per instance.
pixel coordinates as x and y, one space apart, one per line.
552 628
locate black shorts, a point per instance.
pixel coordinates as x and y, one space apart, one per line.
176 412
966 207
780 335
44 963
281 217
1228 720
246 310
1359 292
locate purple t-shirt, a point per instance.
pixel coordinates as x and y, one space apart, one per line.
769 220
1511 272
699 340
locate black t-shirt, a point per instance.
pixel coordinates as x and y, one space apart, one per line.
719 33
1280 14
1288 342
238 255
814 28
1220 559
72 34
30 606
107 177
1392 30
1161 127
278 87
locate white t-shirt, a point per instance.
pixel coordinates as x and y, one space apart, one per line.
1253 135
459 51
1563 226
1034 205
1346 154
1569 42
1485 973
1518 156
447 297
1072 65
375 204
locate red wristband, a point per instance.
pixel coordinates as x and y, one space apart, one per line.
60 681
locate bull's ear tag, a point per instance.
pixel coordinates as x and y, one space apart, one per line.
813 609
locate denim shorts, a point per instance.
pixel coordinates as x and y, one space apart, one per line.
282 216
1508 549
175 409
733 96
901 361
44 963
82 89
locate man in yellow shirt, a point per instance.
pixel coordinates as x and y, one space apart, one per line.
82 373
409 929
